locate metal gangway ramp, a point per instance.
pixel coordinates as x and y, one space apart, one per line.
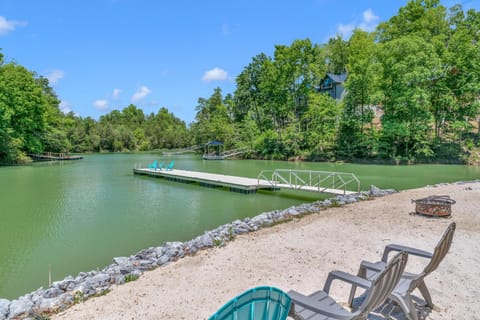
226 154
308 180
182 151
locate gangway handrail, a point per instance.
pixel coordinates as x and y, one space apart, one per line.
309 179
234 152
184 150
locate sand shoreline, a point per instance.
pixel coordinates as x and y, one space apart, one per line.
299 254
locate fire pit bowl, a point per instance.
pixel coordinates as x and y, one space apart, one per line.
434 206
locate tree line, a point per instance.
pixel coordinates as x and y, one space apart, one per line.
420 71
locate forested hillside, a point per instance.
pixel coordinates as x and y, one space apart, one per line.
420 69
412 95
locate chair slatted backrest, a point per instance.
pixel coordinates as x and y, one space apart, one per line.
170 165
441 249
383 285
260 303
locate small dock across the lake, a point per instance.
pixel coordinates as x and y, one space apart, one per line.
51 156
321 181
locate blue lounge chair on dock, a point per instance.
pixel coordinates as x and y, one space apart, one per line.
153 165
161 165
170 166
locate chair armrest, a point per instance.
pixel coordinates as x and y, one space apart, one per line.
375 266
346 277
312 305
409 250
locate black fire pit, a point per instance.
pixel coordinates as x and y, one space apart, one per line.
434 206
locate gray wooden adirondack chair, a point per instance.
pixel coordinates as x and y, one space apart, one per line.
320 306
402 294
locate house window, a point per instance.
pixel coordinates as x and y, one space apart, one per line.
327 84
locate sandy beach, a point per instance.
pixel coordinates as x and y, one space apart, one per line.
299 254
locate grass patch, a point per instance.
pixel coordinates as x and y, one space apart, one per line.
131 277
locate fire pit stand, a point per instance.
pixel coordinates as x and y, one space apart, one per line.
434 206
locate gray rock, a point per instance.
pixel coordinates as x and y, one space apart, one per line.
258 220
327 202
52 292
163 259
4 308
64 284
20 307
137 273
54 304
80 276
206 240
101 279
159 251
174 249
375 192
121 260
240 227
124 265
145 264
119 279
293 211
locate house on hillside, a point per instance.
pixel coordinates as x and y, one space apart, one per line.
333 85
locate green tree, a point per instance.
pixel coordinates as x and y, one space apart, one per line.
362 86
409 64
249 98
337 55
212 121
24 107
322 119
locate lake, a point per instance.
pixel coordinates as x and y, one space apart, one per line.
76 216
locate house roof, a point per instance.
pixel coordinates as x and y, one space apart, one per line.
214 143
338 78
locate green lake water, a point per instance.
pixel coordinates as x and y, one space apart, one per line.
76 216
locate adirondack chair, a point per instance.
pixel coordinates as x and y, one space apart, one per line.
260 303
170 166
153 165
402 294
321 306
160 166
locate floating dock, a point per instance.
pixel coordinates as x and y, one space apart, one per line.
212 180
233 183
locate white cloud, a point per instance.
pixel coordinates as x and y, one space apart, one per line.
101 104
369 23
55 76
345 30
65 106
216 74
116 93
7 26
141 93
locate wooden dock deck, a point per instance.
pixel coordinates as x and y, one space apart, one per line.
233 183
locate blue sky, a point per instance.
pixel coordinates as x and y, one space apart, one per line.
105 54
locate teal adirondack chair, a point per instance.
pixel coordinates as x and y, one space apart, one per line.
170 166
160 166
153 165
260 303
